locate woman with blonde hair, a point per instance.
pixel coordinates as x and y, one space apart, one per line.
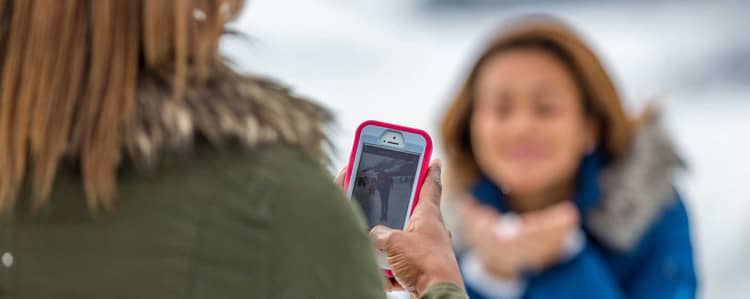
566 196
135 163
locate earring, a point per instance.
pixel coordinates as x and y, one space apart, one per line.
199 15
504 189
591 149
225 10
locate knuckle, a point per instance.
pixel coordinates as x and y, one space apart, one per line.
437 183
394 239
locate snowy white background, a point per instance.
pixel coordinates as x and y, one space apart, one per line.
400 61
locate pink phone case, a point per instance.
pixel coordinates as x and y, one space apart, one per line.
422 169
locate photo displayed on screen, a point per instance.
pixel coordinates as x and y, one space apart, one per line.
383 185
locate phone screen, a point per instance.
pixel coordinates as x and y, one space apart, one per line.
384 183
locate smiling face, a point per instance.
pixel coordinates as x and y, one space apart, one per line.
529 129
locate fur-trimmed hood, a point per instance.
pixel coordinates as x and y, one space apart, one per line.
228 107
636 189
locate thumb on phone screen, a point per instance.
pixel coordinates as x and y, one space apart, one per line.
421 255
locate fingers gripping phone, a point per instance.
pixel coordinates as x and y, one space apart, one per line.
387 167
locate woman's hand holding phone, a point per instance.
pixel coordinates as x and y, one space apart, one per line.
421 255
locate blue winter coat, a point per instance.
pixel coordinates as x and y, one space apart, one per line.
657 263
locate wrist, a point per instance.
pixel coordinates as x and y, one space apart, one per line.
485 282
574 244
501 272
443 275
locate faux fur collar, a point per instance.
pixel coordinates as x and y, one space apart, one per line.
636 189
227 107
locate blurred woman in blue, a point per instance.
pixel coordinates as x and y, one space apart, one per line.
563 195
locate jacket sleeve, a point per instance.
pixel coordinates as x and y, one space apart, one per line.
663 267
319 239
444 291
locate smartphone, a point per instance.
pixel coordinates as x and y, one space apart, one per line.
386 169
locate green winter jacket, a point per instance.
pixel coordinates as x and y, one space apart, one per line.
229 221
